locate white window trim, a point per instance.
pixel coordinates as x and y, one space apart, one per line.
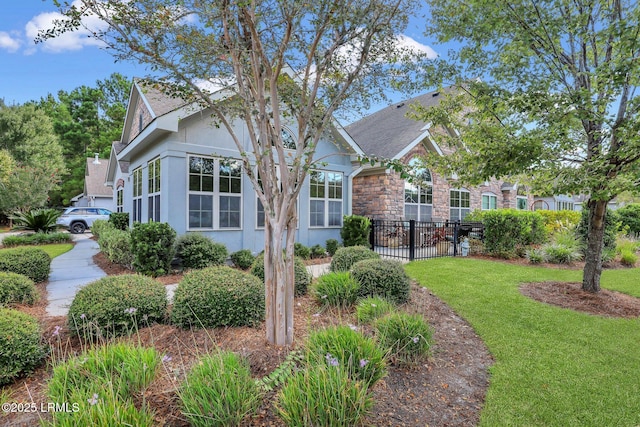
326 199
490 195
137 199
151 196
459 208
215 194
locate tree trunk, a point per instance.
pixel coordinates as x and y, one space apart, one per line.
278 296
595 238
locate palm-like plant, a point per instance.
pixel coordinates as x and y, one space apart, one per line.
38 220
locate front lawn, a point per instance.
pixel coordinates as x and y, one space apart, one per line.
53 250
553 366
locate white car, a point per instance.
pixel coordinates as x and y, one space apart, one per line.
77 220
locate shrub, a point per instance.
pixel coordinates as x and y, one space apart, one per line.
382 277
196 250
99 226
152 245
332 246
301 251
629 216
561 254
555 221
318 251
116 245
21 347
407 336
372 308
117 305
16 288
345 257
336 288
628 258
218 296
302 277
38 220
120 220
355 230
340 345
506 231
242 259
476 247
611 227
31 262
219 391
103 382
323 395
36 239
535 255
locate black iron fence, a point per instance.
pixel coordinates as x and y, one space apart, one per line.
419 240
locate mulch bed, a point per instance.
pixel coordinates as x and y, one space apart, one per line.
447 390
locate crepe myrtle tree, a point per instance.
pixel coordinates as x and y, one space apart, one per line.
556 101
270 61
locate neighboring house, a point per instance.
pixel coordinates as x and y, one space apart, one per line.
380 193
564 202
96 193
174 165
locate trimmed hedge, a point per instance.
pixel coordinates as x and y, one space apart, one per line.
196 250
508 231
100 226
117 305
555 221
629 216
120 220
382 277
31 262
16 288
218 296
153 248
21 346
36 239
242 259
302 276
355 230
345 257
116 245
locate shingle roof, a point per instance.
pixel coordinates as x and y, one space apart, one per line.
95 176
160 102
118 147
387 132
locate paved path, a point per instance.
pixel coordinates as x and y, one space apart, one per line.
75 269
71 271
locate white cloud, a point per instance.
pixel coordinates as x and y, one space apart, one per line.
9 43
69 41
404 41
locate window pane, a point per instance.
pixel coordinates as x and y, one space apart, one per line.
194 183
260 218
425 213
229 212
317 184
316 213
464 199
410 212
335 214
195 165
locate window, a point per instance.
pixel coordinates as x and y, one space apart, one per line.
459 204
154 190
538 205
418 199
521 203
119 199
288 140
215 193
564 206
325 206
137 195
489 201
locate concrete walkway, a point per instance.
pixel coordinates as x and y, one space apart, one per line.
75 269
70 272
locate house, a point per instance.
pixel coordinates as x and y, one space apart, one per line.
96 193
380 193
174 165
564 202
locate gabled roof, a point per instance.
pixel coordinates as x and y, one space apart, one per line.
389 133
95 175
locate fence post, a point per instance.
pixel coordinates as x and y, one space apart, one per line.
372 234
456 233
412 239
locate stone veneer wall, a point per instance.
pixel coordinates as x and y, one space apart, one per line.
381 195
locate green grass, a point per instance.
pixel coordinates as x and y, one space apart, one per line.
55 249
553 366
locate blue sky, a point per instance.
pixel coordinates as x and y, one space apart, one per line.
30 72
